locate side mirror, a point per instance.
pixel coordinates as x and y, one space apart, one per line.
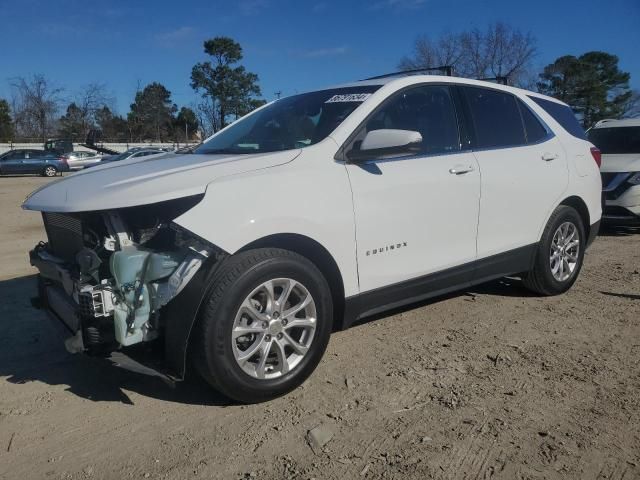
380 143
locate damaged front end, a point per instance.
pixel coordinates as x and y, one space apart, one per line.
110 276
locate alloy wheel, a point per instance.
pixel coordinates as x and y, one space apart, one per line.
565 251
274 328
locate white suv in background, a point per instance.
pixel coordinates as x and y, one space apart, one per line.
311 213
619 142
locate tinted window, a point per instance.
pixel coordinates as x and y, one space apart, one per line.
428 110
619 140
15 155
289 123
563 115
496 118
534 130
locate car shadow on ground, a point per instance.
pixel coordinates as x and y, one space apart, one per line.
32 350
22 175
629 296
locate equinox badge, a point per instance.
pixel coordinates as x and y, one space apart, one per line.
385 249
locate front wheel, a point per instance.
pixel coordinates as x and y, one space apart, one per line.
560 253
49 171
265 325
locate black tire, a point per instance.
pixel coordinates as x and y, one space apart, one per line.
49 171
541 279
212 352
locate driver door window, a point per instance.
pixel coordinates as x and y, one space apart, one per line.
428 110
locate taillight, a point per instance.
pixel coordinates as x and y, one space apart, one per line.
597 155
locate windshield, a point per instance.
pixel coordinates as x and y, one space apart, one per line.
619 140
289 123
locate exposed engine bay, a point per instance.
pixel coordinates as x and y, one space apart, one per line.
108 274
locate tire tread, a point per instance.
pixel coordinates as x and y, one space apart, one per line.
231 269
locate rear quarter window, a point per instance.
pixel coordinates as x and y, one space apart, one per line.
563 115
535 131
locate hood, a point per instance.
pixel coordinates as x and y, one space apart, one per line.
621 163
146 180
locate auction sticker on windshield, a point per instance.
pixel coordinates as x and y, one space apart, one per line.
349 97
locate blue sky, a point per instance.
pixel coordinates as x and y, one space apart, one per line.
292 45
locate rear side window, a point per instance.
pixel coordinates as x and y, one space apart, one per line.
496 118
534 130
563 115
618 140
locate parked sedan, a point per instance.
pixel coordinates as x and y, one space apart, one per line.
22 161
135 152
80 160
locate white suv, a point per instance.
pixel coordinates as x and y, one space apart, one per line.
619 142
311 213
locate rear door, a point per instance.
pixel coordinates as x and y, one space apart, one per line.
523 172
33 161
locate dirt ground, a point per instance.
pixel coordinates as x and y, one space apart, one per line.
489 383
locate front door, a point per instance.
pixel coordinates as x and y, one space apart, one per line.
13 162
415 215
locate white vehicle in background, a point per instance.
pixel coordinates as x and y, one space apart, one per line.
77 160
311 213
619 142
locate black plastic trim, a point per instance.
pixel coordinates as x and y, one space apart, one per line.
457 278
593 233
181 314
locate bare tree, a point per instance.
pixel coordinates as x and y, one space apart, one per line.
90 99
207 115
35 105
498 51
446 50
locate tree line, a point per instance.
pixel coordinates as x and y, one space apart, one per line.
225 88
592 84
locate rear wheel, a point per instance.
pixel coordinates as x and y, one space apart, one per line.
49 171
265 325
560 253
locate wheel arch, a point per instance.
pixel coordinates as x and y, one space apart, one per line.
315 252
581 207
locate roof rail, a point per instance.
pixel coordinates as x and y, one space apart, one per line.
605 120
444 69
503 80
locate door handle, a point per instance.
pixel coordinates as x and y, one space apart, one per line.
460 169
548 157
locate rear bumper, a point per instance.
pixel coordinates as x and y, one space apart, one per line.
621 201
621 220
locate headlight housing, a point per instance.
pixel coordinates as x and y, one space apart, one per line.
635 179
